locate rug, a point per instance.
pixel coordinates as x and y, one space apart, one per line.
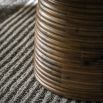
17 80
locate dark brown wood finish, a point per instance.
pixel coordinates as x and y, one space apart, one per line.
69 47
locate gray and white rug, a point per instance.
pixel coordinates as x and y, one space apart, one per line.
17 80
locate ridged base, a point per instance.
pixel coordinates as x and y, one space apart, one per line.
59 91
69 47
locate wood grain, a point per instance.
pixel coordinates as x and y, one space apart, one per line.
69 47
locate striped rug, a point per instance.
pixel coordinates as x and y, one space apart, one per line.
17 80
